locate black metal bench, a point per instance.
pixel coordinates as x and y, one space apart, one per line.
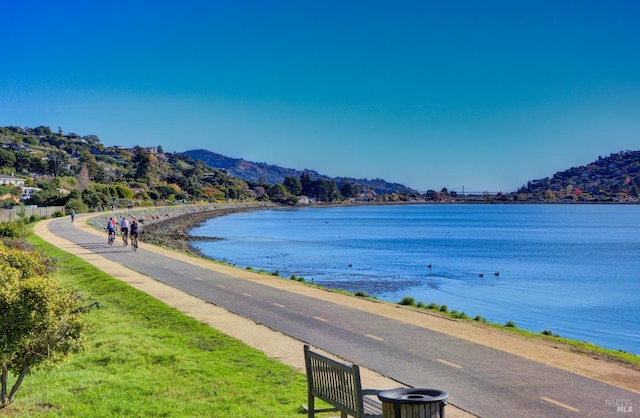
339 385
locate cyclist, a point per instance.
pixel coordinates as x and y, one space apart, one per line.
124 230
134 229
111 230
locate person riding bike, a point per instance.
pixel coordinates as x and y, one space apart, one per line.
124 230
111 230
133 230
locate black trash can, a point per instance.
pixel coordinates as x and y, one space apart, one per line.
413 403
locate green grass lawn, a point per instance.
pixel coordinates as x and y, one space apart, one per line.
145 359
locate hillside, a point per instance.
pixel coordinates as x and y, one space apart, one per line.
616 177
273 174
81 172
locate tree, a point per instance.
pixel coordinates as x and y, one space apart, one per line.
293 185
83 178
147 165
347 190
95 171
41 322
307 184
7 158
57 162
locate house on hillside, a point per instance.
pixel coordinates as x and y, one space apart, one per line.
11 181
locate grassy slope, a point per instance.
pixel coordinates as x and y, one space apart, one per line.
147 359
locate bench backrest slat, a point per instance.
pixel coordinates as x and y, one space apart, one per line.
335 383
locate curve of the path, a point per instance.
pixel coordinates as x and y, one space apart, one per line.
482 380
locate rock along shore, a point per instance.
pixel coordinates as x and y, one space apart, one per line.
169 226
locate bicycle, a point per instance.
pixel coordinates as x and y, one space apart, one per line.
112 237
134 242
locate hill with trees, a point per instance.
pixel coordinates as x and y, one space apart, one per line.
81 173
612 178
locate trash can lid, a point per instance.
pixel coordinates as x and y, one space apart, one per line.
412 395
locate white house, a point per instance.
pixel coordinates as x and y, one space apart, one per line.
11 181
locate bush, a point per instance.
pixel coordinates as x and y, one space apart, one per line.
433 306
408 301
444 308
44 321
361 294
28 264
510 324
76 204
12 229
479 318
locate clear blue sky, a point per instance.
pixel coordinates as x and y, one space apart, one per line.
431 94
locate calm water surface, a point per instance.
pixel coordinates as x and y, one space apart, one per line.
570 269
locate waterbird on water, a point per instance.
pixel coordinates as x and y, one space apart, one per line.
481 275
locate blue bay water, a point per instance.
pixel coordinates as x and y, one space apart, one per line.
571 269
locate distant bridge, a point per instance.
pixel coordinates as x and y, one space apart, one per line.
466 190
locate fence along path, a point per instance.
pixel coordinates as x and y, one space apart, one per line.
27 211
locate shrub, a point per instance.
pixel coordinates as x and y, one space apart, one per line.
510 324
12 229
29 264
479 318
433 306
43 323
444 308
361 294
408 301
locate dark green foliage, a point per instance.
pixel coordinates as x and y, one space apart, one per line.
510 324
408 301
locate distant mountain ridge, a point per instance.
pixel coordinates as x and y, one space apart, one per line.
273 174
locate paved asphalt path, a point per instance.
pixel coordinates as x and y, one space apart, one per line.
479 379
